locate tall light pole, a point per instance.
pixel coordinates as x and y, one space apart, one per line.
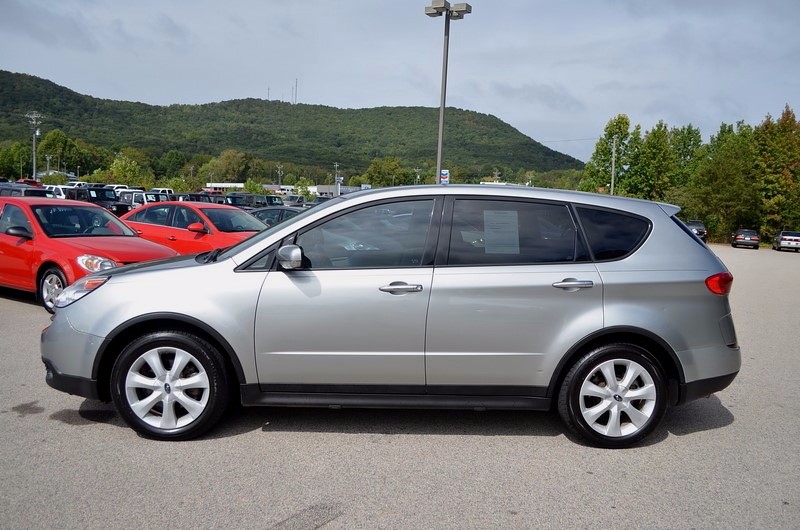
35 119
456 12
613 163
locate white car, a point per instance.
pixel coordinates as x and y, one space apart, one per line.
787 240
58 191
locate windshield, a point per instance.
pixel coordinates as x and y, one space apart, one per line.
84 221
229 220
235 200
103 194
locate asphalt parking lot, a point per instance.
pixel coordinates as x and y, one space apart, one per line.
730 460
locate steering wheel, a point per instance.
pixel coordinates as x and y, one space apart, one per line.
89 229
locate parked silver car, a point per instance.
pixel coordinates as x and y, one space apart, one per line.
603 308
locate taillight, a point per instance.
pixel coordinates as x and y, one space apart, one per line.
720 283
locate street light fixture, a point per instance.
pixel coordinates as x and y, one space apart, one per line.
454 12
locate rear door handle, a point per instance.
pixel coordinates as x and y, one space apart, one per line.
572 285
400 288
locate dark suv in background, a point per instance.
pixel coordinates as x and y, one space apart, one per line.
699 229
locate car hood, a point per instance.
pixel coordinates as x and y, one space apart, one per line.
177 262
122 249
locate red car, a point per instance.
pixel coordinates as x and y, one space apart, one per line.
46 244
190 227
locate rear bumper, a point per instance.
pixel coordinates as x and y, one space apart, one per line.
704 387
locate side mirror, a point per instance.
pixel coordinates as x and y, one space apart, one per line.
19 231
197 227
290 257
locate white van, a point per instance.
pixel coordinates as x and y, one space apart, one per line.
58 191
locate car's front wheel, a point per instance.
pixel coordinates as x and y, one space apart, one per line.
170 385
614 396
51 284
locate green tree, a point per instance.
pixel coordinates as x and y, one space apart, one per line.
655 166
301 188
385 172
253 186
15 161
125 170
777 169
685 142
65 155
611 149
170 164
723 191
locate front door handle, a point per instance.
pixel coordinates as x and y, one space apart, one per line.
571 284
400 288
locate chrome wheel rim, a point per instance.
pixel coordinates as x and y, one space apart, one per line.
51 288
167 388
618 398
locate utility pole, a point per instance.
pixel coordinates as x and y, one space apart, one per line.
337 179
47 157
35 119
416 179
280 174
613 163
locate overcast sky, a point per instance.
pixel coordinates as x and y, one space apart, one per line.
557 71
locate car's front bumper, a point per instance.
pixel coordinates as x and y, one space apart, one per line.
78 386
69 357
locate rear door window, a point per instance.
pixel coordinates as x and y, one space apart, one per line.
492 232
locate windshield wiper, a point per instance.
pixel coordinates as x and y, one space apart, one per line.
214 254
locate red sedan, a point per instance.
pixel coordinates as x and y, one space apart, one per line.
190 227
46 244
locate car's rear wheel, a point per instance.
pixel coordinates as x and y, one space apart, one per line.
51 284
614 396
170 385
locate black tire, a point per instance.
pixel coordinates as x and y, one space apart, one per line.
203 370
51 283
649 384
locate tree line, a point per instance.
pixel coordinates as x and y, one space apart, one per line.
743 177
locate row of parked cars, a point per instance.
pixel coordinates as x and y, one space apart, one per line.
53 235
748 238
785 240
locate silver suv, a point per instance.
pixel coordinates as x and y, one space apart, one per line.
603 308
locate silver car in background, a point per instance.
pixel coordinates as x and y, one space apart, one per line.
605 309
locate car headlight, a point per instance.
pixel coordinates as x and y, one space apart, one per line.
95 263
79 289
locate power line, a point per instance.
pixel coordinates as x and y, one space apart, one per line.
568 140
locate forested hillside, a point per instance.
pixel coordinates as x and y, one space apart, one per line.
305 135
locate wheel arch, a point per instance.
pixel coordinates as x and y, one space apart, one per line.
50 263
114 343
660 350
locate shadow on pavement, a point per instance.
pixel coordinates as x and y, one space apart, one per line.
696 416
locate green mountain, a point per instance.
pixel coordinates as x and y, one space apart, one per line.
302 134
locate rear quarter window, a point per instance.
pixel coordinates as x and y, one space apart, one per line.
612 234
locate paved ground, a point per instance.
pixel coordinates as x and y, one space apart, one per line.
727 461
